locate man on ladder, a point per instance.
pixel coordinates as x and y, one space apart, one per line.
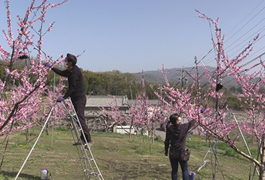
76 93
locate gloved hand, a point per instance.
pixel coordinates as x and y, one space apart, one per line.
60 99
47 65
166 153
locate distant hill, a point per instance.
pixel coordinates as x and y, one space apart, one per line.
174 76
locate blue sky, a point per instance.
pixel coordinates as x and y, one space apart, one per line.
135 35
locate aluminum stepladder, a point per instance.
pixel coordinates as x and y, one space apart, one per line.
88 162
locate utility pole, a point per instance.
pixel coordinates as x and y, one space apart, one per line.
143 84
182 82
161 94
182 76
217 97
116 90
53 112
131 92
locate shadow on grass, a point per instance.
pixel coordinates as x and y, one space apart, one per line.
8 175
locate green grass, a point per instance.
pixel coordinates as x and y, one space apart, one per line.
118 157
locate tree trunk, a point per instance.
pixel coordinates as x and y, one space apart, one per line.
262 174
27 136
131 125
262 156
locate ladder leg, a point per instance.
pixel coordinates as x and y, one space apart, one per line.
48 117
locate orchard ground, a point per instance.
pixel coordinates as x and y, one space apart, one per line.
118 157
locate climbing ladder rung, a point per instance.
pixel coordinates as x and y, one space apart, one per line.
91 172
88 159
74 129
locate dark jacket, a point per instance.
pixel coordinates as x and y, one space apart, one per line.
176 136
75 82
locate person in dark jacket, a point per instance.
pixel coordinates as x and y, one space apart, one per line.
76 93
176 136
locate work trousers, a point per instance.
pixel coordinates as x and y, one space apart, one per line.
184 168
79 105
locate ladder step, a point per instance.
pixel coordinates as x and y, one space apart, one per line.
86 158
86 149
73 129
206 161
72 117
71 114
91 172
67 119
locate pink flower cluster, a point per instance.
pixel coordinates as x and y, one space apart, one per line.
21 108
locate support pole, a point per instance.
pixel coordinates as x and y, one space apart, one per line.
53 113
244 141
48 117
217 98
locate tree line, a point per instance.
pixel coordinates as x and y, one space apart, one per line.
117 83
103 83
